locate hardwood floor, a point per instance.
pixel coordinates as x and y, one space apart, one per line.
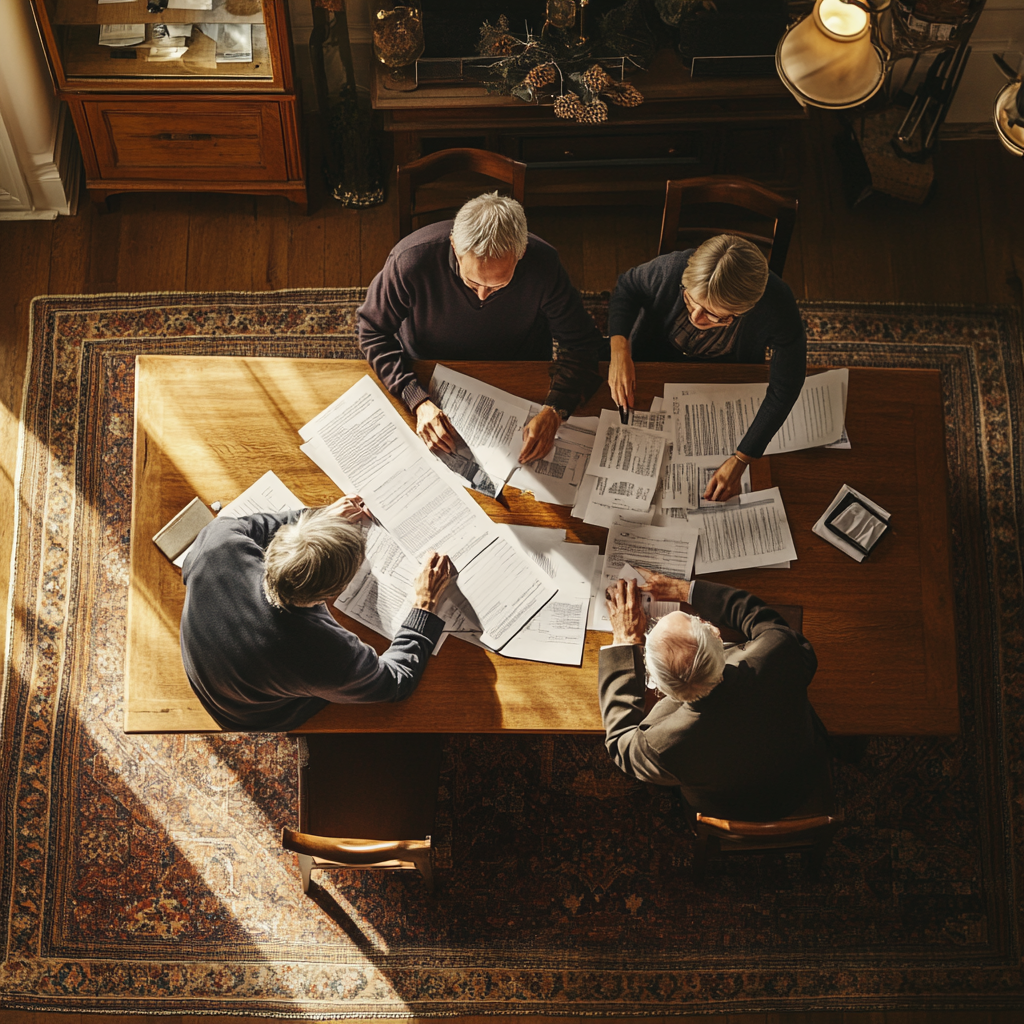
965 246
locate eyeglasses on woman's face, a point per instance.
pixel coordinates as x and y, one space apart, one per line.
699 312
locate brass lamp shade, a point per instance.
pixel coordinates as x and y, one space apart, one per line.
1011 136
828 59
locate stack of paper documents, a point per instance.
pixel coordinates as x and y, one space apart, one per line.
190 5
169 42
234 42
557 633
665 549
624 468
365 447
122 35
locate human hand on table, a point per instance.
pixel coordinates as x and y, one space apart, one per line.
428 588
626 612
727 481
662 587
621 373
351 509
539 435
434 428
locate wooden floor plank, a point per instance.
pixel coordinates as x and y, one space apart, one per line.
342 254
948 223
69 252
564 230
24 271
636 233
271 236
306 255
153 243
104 250
378 232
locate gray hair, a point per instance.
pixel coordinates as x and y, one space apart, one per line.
685 669
728 271
311 560
489 227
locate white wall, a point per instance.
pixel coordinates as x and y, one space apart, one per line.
39 161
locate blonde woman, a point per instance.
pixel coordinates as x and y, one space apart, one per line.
717 303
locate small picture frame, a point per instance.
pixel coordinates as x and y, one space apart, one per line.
855 520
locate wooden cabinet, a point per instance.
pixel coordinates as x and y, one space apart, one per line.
198 100
685 127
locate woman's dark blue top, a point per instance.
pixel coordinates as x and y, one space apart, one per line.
647 301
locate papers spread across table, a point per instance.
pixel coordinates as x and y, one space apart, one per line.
364 446
666 549
380 595
711 419
490 421
755 532
556 634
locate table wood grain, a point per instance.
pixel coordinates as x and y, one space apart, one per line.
882 629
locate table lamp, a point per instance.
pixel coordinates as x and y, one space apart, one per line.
828 59
1008 112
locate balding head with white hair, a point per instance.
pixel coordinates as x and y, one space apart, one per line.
685 656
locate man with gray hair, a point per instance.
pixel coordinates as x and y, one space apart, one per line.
479 287
260 646
735 730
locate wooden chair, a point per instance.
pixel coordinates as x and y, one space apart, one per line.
810 828
702 199
379 787
428 169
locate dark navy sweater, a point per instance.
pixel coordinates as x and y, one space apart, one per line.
418 307
257 668
647 302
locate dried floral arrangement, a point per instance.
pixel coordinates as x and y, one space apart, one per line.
561 63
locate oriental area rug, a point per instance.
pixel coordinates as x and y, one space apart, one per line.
144 874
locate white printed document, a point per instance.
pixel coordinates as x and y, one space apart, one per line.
665 549
490 421
749 535
625 467
380 595
683 483
712 419
366 448
556 478
557 633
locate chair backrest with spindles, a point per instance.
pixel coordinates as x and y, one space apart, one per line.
699 208
478 163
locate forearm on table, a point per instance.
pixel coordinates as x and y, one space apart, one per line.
404 662
386 357
736 609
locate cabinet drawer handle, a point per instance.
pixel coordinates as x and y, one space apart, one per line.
183 137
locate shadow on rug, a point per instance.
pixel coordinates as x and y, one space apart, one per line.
144 873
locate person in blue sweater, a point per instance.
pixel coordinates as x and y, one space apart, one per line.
716 303
260 647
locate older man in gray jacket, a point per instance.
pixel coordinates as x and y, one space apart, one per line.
735 730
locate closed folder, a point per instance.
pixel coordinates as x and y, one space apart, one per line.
183 529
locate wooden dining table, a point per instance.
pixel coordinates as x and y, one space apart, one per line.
883 629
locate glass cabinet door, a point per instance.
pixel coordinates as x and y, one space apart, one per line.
212 40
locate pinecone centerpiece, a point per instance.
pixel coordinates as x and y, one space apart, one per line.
526 66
